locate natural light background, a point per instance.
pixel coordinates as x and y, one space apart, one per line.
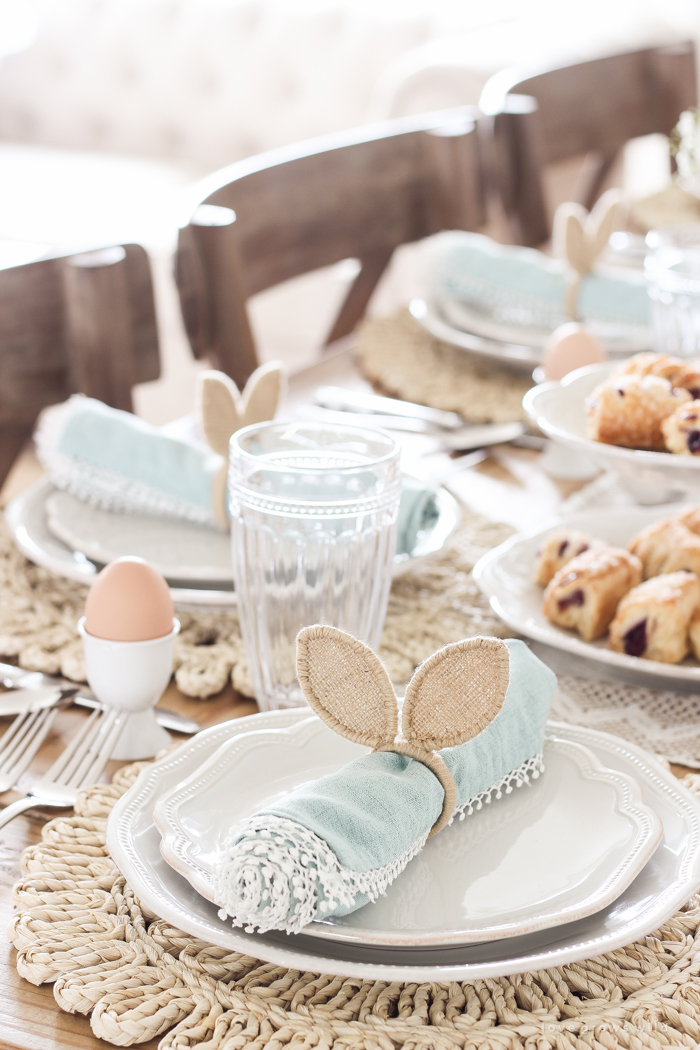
109 108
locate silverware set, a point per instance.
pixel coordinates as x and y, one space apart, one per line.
12 677
82 761
393 414
25 735
78 766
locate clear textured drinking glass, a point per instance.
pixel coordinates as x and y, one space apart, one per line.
313 533
674 288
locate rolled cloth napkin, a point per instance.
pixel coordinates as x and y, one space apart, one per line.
330 847
114 460
523 286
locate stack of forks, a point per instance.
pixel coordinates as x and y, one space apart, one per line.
79 766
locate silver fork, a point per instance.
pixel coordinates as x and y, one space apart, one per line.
23 737
78 766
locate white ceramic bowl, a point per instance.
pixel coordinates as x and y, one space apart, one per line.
650 477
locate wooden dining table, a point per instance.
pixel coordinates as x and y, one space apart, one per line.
506 485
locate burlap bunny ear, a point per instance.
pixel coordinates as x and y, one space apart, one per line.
580 237
602 221
456 693
218 406
347 686
451 698
223 410
569 235
263 393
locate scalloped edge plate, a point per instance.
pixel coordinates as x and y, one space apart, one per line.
666 882
524 842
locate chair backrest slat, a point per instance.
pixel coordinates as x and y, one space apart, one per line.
73 324
358 194
592 107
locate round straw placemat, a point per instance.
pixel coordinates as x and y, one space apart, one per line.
79 925
404 360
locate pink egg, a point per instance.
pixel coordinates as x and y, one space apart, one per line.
129 602
570 346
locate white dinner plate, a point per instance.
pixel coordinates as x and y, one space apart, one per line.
73 539
552 852
505 577
558 409
518 346
179 549
670 877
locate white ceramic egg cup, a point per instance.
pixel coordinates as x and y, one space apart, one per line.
131 676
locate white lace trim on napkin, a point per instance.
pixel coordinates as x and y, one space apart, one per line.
530 769
98 486
279 875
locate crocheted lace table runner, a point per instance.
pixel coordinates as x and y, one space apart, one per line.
79 926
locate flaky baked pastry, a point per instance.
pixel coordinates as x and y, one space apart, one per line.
585 593
558 549
681 430
678 372
629 410
653 619
666 546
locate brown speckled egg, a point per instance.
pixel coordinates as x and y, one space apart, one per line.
129 602
570 346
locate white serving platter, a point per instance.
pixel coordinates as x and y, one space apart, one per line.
649 477
505 577
664 884
71 538
549 853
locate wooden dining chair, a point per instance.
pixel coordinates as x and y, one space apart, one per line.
356 194
590 109
73 323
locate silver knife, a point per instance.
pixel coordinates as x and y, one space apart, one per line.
12 677
479 436
341 400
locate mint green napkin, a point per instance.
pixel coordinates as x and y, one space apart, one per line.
333 845
523 286
114 460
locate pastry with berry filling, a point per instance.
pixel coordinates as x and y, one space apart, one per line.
653 620
558 549
679 373
666 546
629 410
585 593
681 430
691 519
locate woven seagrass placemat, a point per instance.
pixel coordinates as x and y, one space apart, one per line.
398 355
435 603
79 926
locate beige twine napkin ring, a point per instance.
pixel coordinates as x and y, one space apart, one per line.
580 237
452 697
222 410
